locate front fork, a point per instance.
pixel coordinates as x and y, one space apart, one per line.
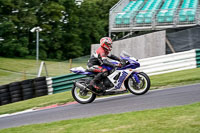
135 75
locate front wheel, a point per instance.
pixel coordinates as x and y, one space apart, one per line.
82 96
138 88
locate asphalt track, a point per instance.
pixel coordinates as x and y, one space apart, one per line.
111 105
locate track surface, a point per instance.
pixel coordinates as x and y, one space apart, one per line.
117 104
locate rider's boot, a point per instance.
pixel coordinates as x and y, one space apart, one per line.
96 83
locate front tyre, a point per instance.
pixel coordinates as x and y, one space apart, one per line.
82 96
138 88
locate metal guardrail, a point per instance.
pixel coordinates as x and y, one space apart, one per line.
62 83
198 57
171 62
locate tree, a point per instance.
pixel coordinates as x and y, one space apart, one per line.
68 29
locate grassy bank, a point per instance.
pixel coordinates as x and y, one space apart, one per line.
157 81
12 69
181 119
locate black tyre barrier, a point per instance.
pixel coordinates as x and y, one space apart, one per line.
28 93
14 84
4 88
24 86
17 99
27 97
41 91
40 79
16 95
44 87
28 81
16 92
14 88
40 83
5 98
5 94
27 90
41 94
23 90
5 102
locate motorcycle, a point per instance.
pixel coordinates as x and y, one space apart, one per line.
120 80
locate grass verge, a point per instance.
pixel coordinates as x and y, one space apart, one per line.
157 81
14 69
181 119
59 98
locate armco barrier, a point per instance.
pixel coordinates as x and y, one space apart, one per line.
62 83
170 63
198 57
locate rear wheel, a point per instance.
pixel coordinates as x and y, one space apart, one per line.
82 96
138 88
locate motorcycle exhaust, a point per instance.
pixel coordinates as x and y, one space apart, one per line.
80 85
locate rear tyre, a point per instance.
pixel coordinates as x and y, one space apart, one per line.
82 96
138 88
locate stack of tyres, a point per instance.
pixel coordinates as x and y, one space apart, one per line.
27 89
15 91
4 95
40 86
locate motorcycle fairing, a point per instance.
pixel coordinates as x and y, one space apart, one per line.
81 70
119 83
125 72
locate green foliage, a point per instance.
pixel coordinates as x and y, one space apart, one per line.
68 29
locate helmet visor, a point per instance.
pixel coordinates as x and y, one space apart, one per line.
108 44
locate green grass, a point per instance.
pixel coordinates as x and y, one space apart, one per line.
59 98
181 119
12 69
178 78
157 81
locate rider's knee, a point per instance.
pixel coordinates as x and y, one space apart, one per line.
105 74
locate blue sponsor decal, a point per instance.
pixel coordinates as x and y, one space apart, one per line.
121 79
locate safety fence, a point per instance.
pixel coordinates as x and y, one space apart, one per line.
171 62
62 83
41 86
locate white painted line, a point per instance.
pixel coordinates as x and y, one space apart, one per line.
17 113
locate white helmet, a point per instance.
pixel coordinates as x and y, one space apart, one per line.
106 42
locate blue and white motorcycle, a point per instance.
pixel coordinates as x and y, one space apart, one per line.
119 80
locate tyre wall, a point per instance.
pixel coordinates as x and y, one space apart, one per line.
23 90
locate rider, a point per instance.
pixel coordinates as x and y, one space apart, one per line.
99 58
